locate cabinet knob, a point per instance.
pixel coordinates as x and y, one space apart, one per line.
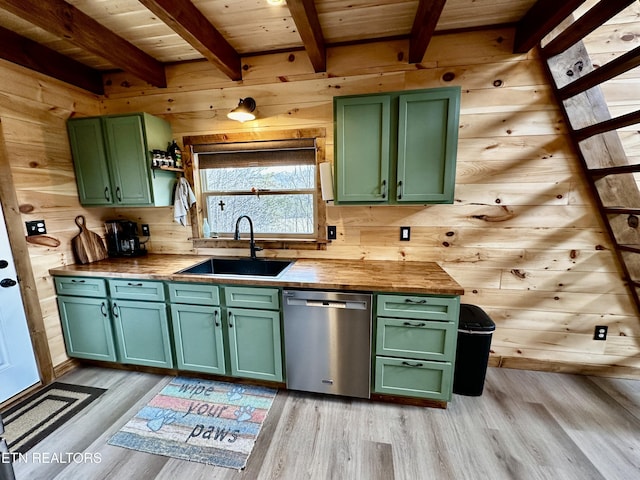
7 282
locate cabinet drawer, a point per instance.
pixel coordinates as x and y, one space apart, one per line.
421 307
249 297
413 378
194 294
137 290
424 339
81 286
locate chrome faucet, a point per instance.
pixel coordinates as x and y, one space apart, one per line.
252 242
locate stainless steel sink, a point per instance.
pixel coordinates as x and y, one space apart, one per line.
261 267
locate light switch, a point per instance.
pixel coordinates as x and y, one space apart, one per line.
405 234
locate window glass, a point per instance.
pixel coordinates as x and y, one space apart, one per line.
280 199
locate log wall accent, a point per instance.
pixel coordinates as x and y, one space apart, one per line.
523 237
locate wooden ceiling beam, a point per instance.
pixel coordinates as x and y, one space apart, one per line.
188 22
424 25
69 23
587 23
542 18
27 53
305 16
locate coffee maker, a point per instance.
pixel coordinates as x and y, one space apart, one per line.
122 239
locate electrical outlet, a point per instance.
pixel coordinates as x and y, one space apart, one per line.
36 227
145 229
405 234
332 232
600 332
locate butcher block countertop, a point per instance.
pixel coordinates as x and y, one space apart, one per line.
356 275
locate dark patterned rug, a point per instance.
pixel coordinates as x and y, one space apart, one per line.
34 418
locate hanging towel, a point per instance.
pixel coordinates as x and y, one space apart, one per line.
182 201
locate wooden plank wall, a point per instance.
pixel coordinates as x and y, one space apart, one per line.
523 237
34 109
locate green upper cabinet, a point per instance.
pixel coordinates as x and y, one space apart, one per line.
112 158
90 161
397 147
362 135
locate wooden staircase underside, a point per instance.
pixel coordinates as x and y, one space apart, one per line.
577 85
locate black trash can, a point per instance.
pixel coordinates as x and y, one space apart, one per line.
475 330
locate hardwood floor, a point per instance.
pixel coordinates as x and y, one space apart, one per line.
526 425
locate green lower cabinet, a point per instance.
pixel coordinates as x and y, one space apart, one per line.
414 378
142 333
255 343
87 328
197 336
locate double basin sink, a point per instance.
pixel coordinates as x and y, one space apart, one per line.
257 267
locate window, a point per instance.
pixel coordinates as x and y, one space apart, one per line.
273 182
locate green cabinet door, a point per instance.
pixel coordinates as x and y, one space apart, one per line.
142 333
362 138
87 329
255 344
427 146
127 154
90 161
197 335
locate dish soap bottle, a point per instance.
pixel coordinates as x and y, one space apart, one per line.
206 229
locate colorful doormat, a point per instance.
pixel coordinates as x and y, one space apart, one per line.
204 421
31 420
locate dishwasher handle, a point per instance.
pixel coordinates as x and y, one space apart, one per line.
347 305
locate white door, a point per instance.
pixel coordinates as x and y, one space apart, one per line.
18 368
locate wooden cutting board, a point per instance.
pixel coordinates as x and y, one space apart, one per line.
87 245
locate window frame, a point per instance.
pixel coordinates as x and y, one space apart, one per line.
317 240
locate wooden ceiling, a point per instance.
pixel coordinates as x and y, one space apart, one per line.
77 40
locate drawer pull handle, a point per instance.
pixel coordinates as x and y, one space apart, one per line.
118 195
134 284
106 194
417 302
103 309
230 319
73 280
409 324
114 309
412 364
215 318
384 189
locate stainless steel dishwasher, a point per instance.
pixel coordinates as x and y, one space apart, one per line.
327 338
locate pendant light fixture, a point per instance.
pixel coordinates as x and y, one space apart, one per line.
244 111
